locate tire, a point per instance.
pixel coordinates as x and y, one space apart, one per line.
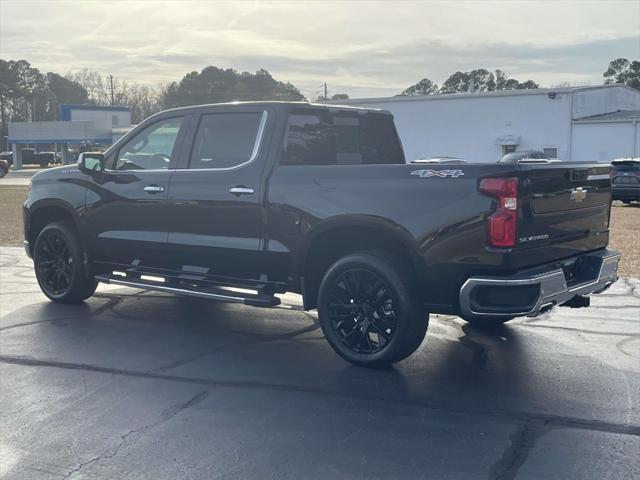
44 164
3 171
58 263
373 320
487 323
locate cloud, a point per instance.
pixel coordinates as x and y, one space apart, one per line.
363 48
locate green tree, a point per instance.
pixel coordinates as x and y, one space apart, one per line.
481 80
214 85
64 90
94 83
623 71
423 87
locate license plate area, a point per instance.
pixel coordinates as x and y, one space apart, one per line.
581 270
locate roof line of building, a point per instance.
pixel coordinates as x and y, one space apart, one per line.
94 107
500 93
60 140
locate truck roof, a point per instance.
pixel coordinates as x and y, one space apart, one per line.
284 104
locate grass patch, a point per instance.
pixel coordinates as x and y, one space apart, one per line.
625 237
11 200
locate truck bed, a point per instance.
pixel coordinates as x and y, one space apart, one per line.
563 211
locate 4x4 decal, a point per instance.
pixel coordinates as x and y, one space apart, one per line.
438 173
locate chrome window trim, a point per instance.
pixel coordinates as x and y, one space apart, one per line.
151 170
127 137
254 154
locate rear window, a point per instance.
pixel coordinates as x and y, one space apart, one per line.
626 167
626 181
341 138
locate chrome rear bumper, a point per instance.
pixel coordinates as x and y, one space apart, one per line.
529 292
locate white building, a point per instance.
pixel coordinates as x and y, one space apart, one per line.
104 118
576 123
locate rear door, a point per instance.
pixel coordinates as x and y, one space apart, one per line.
126 205
566 207
214 213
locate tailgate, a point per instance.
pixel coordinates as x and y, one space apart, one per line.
566 205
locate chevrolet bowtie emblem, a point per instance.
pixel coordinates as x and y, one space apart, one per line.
578 194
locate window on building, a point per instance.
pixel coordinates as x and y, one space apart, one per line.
225 140
151 149
506 149
550 152
341 138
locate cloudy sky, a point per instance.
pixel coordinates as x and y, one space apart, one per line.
358 47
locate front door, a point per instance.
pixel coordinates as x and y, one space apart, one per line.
126 204
214 203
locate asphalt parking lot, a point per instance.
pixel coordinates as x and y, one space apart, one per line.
144 385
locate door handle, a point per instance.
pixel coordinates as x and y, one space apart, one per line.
153 189
241 190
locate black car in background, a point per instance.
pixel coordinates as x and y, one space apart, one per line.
625 179
31 157
7 157
4 167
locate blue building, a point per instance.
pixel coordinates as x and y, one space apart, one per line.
78 125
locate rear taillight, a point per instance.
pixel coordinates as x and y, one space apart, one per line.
502 224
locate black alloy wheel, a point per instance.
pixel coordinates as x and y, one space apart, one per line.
368 309
58 262
54 263
361 311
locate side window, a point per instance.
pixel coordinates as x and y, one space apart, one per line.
343 138
507 149
151 149
226 140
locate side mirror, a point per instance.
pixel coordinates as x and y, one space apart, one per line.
91 162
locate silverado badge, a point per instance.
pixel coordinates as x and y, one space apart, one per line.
438 173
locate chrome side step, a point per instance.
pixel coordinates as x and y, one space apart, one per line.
255 300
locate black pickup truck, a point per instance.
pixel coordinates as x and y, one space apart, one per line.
239 202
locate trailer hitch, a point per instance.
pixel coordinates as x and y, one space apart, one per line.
578 301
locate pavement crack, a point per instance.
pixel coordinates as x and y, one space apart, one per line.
248 341
34 322
581 330
516 453
506 415
166 416
621 344
479 351
109 305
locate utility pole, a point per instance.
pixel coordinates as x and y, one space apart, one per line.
111 88
325 91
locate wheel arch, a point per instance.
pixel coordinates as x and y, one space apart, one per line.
45 212
335 238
